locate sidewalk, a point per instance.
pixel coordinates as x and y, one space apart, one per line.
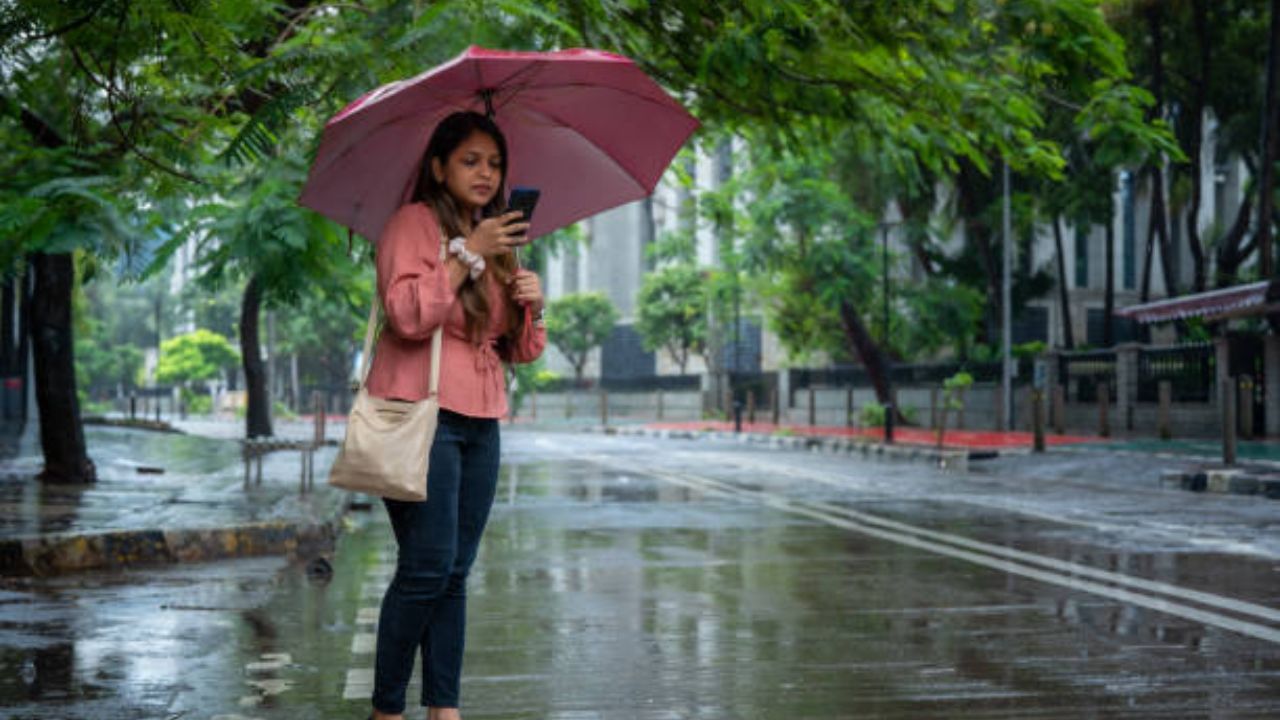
160 498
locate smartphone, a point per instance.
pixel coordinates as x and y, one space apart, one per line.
524 199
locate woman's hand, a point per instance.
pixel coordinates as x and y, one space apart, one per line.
496 235
526 289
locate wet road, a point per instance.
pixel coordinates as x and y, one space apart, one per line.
649 579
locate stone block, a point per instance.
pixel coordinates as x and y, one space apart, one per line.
1176 479
1244 484
1270 488
1219 481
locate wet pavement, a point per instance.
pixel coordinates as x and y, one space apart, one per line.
149 480
648 579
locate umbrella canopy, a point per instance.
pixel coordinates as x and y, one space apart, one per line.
586 127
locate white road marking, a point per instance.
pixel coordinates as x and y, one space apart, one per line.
359 684
1191 535
998 557
364 643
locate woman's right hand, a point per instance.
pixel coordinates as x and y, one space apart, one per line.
496 235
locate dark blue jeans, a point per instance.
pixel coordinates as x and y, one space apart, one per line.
426 605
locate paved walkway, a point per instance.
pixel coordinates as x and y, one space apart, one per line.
160 497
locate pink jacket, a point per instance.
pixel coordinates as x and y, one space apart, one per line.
416 296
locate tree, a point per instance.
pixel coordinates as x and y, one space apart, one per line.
322 336
673 312
194 357
577 323
926 91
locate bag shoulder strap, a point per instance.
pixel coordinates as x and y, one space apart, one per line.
437 339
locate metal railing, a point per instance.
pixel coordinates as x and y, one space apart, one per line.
1084 372
1189 369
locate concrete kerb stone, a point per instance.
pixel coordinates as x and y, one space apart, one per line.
1224 481
949 458
61 553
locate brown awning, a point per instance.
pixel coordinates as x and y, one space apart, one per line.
1257 298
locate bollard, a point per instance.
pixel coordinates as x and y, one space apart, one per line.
1059 409
317 402
1164 419
157 406
889 413
1037 419
133 407
813 407
751 407
1104 403
1245 407
774 406
1228 397
737 416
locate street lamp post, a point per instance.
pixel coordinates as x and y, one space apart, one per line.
892 217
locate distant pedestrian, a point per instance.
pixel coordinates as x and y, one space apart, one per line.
492 313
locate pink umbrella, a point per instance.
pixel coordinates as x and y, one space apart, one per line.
586 127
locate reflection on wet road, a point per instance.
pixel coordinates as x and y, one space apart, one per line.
649 579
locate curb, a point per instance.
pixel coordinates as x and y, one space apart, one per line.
947 458
135 424
60 553
1223 481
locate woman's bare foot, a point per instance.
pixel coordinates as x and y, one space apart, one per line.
443 714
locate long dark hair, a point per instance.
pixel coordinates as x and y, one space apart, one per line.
448 135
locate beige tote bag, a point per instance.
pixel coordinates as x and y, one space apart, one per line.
388 442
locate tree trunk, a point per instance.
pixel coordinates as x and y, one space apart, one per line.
61 431
258 417
1109 297
10 291
1230 253
1160 216
975 194
872 357
1196 131
1268 146
1144 292
24 341
1068 335
1158 222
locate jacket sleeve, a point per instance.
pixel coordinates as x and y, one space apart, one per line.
530 341
412 282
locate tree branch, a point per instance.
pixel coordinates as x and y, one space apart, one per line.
78 22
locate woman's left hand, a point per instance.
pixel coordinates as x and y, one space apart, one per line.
526 289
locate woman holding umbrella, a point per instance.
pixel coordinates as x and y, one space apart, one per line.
491 312
586 124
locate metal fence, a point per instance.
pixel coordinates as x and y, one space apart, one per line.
1084 372
649 383
1189 369
906 374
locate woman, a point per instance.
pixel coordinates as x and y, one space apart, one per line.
491 311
